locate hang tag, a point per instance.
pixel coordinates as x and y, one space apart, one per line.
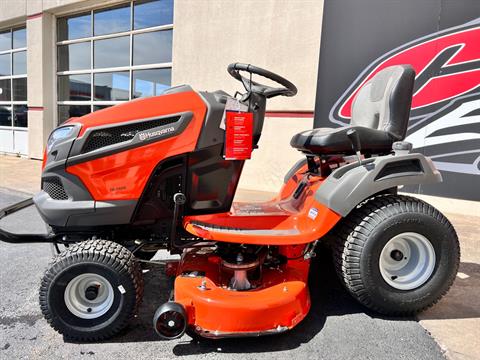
232 105
238 135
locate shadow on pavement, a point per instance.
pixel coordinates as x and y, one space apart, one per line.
462 301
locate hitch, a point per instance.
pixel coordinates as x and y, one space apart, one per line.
16 207
9 237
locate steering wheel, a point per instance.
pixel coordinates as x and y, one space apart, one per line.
287 89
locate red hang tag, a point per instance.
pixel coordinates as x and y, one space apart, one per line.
238 135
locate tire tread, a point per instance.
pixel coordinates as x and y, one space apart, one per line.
352 233
99 251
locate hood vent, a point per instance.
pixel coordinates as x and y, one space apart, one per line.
118 134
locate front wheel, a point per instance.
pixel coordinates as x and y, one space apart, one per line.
396 254
91 290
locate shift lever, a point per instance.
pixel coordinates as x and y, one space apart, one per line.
355 140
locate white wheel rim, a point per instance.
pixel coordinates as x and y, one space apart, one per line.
407 261
80 305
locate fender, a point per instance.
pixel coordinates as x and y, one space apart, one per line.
349 185
297 166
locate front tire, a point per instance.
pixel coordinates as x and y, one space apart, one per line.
396 255
91 290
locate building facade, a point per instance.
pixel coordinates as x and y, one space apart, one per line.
65 58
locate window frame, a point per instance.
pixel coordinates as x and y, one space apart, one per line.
10 77
92 70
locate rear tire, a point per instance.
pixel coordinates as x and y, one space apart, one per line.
91 290
396 255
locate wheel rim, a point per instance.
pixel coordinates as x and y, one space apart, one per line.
171 324
407 261
89 296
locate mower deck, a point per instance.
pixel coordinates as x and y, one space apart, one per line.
278 301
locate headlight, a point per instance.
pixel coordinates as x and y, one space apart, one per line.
60 133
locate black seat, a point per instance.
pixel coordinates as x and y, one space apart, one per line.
380 113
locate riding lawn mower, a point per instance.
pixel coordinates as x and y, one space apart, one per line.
158 173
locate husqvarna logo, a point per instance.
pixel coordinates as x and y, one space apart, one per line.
151 134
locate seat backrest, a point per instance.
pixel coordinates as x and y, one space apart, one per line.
384 101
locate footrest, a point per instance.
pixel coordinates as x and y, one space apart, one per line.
248 232
248 236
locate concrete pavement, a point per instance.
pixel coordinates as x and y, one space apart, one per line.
454 322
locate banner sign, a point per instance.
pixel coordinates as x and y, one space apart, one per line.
441 40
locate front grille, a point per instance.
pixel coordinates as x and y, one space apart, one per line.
118 134
53 186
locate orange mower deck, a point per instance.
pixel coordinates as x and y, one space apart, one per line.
279 303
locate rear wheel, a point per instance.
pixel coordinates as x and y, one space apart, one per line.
396 254
91 290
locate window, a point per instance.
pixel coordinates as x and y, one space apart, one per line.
74 57
152 13
13 78
150 82
19 89
74 27
74 87
5 64
19 63
111 21
110 55
144 53
111 86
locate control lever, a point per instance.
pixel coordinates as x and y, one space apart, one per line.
355 140
179 199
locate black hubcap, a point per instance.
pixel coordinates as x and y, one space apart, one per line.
396 255
91 293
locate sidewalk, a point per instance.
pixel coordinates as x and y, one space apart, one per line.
454 322
20 174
